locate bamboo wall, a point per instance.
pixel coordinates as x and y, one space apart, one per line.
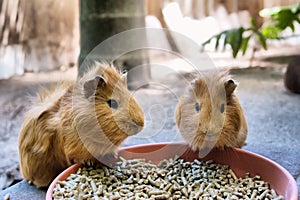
37 35
202 8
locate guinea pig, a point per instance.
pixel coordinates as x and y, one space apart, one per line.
209 114
77 123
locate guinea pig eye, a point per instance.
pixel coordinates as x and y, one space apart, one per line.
113 104
222 108
197 107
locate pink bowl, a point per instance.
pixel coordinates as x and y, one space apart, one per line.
240 161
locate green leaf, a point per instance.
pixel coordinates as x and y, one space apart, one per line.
271 32
217 37
296 8
262 39
226 33
268 12
253 23
245 44
292 27
283 17
217 41
207 41
234 38
274 11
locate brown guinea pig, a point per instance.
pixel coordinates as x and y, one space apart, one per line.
209 113
77 122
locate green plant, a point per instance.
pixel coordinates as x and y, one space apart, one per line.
238 38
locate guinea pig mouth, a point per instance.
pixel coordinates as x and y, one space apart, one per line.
211 136
134 129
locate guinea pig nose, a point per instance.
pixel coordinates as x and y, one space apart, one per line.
136 114
137 128
139 123
212 134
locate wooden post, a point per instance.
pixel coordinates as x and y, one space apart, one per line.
100 20
253 6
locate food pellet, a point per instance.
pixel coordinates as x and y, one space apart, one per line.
7 196
171 179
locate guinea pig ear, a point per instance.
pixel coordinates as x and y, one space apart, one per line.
230 86
91 85
124 77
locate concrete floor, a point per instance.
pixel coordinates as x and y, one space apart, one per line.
273 116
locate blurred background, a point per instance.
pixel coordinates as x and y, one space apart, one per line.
45 35
42 42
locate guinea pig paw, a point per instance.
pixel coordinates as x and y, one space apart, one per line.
90 163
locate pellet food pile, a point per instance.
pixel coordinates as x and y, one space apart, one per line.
171 179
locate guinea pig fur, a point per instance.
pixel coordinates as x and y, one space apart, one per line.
77 122
209 113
